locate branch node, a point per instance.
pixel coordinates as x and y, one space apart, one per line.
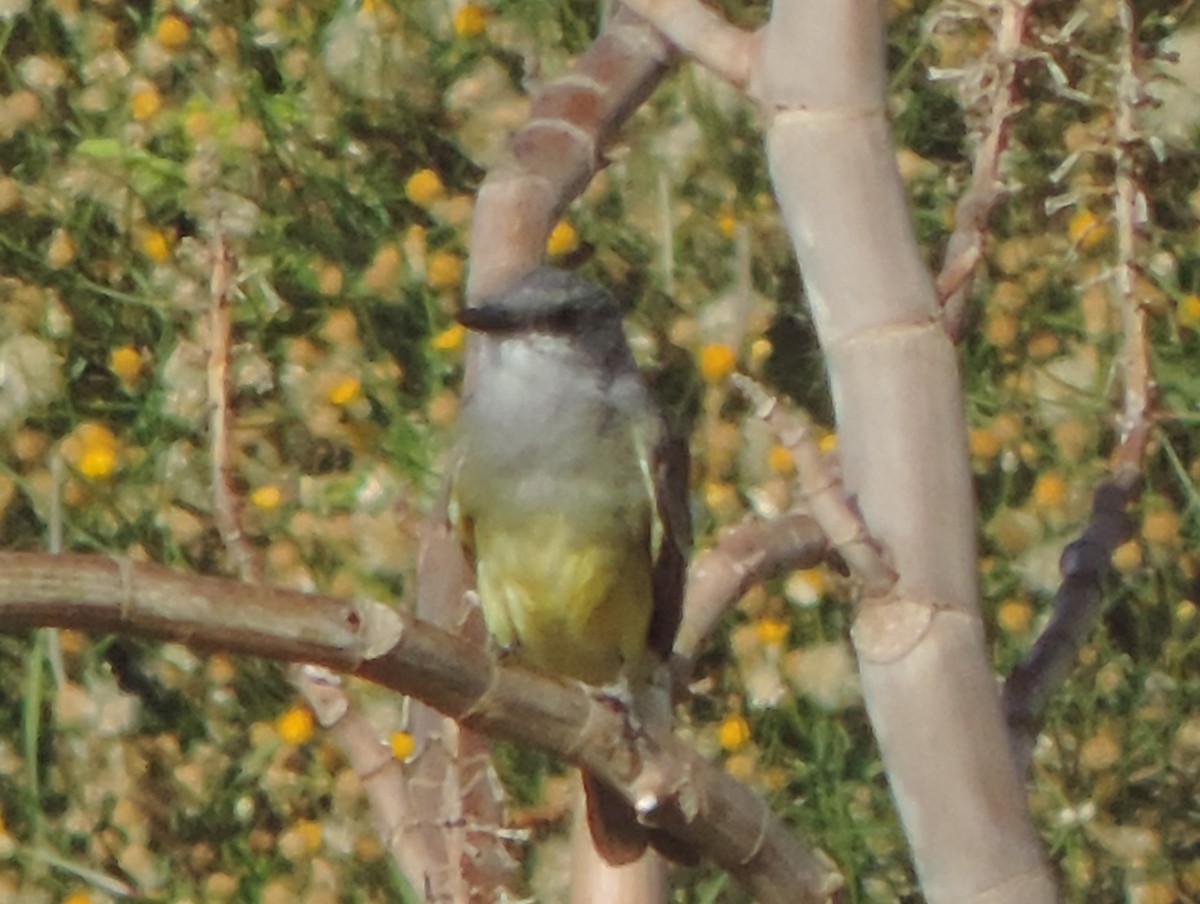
890 626
128 601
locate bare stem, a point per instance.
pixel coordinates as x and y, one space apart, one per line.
1130 207
225 499
1077 605
745 555
997 80
823 491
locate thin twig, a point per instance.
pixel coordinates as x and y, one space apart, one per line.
1077 604
1086 561
225 498
745 555
964 249
1130 214
823 491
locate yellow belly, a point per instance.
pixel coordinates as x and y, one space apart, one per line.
570 604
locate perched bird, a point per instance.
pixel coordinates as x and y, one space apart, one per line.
570 493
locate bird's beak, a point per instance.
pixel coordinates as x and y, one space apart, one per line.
488 318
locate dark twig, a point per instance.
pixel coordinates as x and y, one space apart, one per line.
1083 565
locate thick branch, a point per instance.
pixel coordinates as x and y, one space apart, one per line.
556 153
669 783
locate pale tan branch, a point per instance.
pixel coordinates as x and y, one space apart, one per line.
824 494
702 34
452 781
555 154
669 783
897 393
747 554
225 498
1130 207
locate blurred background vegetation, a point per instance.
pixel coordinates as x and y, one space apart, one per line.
334 149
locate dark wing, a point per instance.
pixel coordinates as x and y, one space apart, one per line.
670 466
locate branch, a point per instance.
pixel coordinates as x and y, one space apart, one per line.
225 498
750 553
1130 207
702 34
996 81
1083 565
1086 562
556 153
669 783
823 491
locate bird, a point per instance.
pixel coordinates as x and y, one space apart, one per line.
569 491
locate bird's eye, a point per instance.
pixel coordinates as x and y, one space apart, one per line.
564 319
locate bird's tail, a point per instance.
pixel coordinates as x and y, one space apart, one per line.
616 833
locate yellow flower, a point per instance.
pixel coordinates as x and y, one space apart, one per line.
345 391
267 497
402 745
424 187
760 350
310 831
172 31
771 631
828 443
450 339
470 20
563 239
722 499
1001 329
717 361
92 449
1049 491
145 102
1189 310
1085 229
1042 345
77 897
726 223
1127 557
779 458
733 732
295 726
155 244
983 443
126 363
444 270
1014 616
1161 528
1185 612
